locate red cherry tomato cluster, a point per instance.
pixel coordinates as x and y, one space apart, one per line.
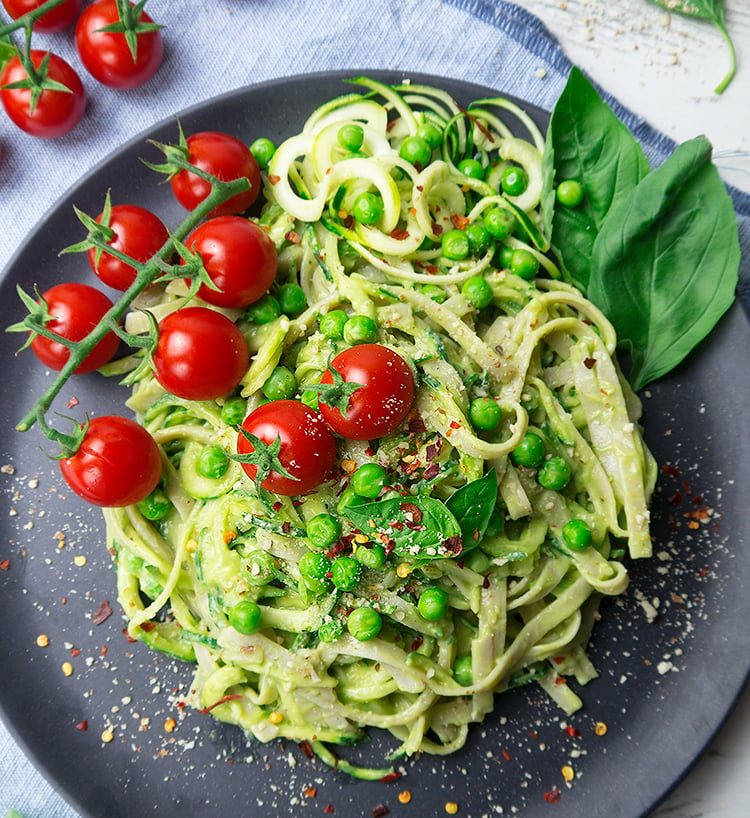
198 354
44 110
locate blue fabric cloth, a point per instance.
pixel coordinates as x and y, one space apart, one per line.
215 47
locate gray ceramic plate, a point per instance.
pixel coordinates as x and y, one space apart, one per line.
670 653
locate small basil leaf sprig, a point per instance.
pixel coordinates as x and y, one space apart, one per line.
711 11
656 250
147 273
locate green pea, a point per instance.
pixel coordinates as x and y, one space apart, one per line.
569 193
323 530
156 506
292 299
280 384
351 136
332 323
345 573
263 150
372 556
477 291
368 207
485 414
454 245
360 329
431 134
479 238
554 473
472 168
499 222
416 150
369 480
364 623
524 263
577 535
245 617
514 181
330 631
212 462
264 310
314 564
505 256
435 292
233 411
433 603
348 497
529 452
463 671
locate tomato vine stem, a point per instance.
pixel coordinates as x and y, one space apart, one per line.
146 274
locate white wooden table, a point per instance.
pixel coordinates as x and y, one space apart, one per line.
664 67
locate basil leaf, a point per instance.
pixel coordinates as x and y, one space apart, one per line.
713 12
665 263
472 505
585 142
416 528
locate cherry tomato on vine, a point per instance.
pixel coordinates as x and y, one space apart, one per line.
55 112
117 464
200 354
76 310
239 257
308 448
56 19
138 233
382 401
225 157
106 55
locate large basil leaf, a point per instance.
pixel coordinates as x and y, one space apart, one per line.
588 143
416 528
665 262
472 505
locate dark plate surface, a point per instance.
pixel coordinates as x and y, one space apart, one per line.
671 652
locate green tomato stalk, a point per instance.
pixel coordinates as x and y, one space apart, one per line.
147 273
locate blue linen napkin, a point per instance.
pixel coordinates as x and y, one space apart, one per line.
215 47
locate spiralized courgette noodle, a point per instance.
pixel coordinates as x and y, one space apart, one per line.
521 602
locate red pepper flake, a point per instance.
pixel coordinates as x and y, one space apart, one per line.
274 179
573 732
222 700
103 651
82 725
437 229
71 403
454 424
703 572
311 792
286 527
506 755
307 749
5 565
460 222
147 626
589 363
130 638
486 582
416 426
380 810
416 643
329 810
399 234
558 660
75 652
293 236
676 498
671 471
561 680
102 613
553 796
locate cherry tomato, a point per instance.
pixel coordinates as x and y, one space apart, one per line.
239 257
106 55
384 398
56 112
56 19
76 310
138 234
225 157
117 464
308 449
200 354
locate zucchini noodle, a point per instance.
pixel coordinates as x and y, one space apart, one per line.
521 596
